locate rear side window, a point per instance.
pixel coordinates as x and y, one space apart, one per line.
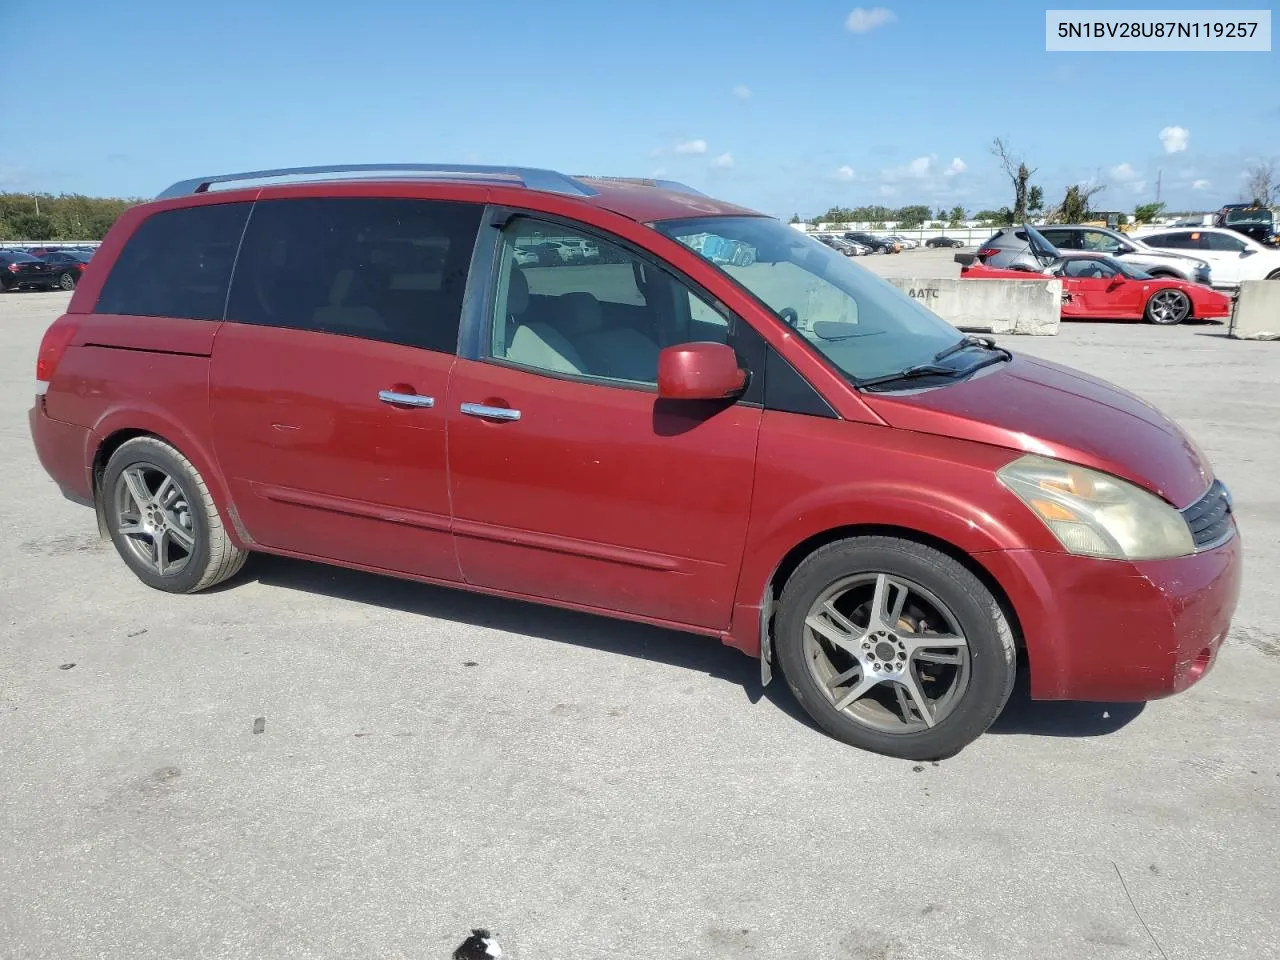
1175 241
1062 239
177 264
383 269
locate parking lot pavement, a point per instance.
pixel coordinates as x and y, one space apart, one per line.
431 760
921 262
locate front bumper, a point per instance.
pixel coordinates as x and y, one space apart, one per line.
1111 630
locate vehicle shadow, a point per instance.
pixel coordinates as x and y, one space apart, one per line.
1060 718
623 637
1021 715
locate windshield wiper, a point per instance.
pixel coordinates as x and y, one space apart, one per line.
911 373
935 369
985 343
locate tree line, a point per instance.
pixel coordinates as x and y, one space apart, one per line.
67 216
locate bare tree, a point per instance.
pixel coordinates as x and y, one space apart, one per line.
1262 186
1018 173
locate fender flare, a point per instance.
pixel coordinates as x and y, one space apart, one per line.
932 515
156 422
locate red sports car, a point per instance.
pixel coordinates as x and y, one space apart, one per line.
1102 287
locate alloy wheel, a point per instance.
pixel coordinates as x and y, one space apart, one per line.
887 652
1169 306
153 515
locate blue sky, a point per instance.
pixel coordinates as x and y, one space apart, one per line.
779 106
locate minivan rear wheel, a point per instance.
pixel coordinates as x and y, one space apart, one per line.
162 520
894 647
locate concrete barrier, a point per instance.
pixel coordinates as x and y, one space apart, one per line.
1256 314
1031 307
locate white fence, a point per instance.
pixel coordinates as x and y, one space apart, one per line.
28 244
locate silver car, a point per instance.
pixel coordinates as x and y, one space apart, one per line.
1010 248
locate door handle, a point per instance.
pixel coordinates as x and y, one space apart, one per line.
405 399
489 413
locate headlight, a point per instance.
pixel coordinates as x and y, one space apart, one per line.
1094 514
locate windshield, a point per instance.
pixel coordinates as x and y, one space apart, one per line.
1259 216
863 325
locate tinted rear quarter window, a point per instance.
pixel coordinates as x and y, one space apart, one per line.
177 263
384 269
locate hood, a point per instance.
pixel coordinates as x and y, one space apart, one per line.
1151 253
1033 406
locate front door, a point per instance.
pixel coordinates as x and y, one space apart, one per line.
329 379
571 480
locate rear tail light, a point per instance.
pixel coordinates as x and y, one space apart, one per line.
13 268
54 344
987 252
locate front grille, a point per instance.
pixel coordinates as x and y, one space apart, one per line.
1210 517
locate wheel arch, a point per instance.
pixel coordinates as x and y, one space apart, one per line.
107 439
792 559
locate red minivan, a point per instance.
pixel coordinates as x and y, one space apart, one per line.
706 421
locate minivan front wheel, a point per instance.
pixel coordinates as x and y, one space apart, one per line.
894 647
162 520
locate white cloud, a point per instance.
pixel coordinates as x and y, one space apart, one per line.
692 146
917 169
1138 186
659 172
1124 172
723 162
844 174
742 92
956 166
1175 139
861 21
1201 185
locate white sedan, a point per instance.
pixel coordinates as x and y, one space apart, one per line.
1232 257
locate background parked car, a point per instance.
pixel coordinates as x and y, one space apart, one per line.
69 266
944 242
905 242
20 270
847 247
1096 286
1126 249
877 244
1232 256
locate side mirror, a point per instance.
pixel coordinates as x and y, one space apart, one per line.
699 371
1115 281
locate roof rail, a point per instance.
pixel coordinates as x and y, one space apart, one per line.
531 177
673 185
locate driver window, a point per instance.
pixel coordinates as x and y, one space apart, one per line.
1101 242
1220 241
573 304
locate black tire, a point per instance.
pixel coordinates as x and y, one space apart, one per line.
212 558
986 631
1274 275
67 281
